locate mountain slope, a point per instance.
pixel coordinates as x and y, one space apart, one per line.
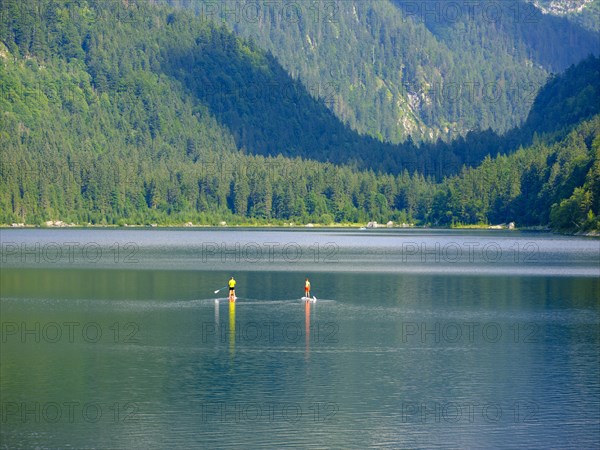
246 90
556 185
267 112
566 99
135 115
393 69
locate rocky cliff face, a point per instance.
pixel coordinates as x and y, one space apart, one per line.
562 7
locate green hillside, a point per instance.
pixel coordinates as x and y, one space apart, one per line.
143 114
425 69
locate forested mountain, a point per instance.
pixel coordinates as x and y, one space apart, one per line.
151 62
556 184
245 90
425 69
566 99
588 17
138 113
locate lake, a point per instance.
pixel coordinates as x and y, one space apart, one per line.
114 338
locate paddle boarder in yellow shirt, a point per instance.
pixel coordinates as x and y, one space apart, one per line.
231 284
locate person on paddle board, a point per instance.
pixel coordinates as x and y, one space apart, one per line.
307 288
231 288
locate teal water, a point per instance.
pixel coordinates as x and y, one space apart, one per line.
419 339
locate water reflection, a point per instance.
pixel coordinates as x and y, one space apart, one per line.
216 314
389 363
231 329
307 327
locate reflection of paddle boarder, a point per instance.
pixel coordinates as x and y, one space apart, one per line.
232 328
232 290
307 288
307 326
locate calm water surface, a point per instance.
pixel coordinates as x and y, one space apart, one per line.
418 339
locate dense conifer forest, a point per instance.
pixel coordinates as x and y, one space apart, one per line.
140 112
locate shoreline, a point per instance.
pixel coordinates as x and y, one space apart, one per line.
286 226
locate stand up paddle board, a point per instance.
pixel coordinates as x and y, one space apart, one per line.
308 299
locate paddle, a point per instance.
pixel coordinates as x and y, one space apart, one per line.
220 289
